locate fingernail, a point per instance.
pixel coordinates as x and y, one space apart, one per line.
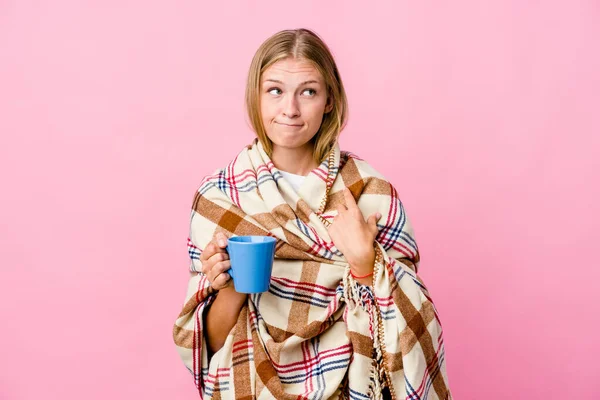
222 243
378 215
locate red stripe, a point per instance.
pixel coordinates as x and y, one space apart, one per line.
214 378
322 355
321 174
259 169
245 175
393 208
309 286
385 301
195 348
243 345
239 175
231 179
426 375
306 358
403 249
312 363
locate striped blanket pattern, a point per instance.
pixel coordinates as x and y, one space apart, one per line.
317 333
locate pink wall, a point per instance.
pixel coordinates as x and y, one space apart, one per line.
485 116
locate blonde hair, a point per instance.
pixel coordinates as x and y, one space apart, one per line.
301 44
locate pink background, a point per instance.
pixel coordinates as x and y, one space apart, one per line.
485 115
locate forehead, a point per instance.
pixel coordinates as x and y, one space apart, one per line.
292 70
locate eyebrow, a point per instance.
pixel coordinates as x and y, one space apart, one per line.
303 83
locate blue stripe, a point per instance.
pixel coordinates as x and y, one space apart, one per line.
388 312
221 181
273 289
390 233
251 185
303 228
412 395
399 273
433 375
256 297
409 239
318 369
204 188
415 280
357 395
223 184
306 231
320 378
194 254
210 389
410 392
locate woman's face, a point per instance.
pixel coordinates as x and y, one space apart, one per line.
293 100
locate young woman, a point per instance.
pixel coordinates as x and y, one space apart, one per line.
346 315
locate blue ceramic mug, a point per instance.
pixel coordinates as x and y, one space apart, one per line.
251 262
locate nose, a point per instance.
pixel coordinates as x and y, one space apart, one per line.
290 107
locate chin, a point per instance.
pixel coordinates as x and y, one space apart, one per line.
290 143
287 145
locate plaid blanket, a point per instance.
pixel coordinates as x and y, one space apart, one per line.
317 333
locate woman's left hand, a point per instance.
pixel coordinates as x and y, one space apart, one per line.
354 236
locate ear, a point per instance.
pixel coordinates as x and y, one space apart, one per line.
329 105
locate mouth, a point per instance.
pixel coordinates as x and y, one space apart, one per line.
295 125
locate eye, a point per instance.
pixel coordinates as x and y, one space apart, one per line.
314 92
272 89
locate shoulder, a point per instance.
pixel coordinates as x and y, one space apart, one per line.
357 171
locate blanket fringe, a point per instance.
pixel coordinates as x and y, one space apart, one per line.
355 295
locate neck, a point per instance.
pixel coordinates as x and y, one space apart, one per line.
297 161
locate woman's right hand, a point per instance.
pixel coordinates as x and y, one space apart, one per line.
215 262
223 313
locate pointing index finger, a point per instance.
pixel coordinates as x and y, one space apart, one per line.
350 202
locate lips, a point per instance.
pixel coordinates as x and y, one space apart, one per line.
281 123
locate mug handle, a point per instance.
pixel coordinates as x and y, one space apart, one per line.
227 250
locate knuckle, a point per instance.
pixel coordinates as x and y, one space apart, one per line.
224 278
223 266
204 254
218 283
210 249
